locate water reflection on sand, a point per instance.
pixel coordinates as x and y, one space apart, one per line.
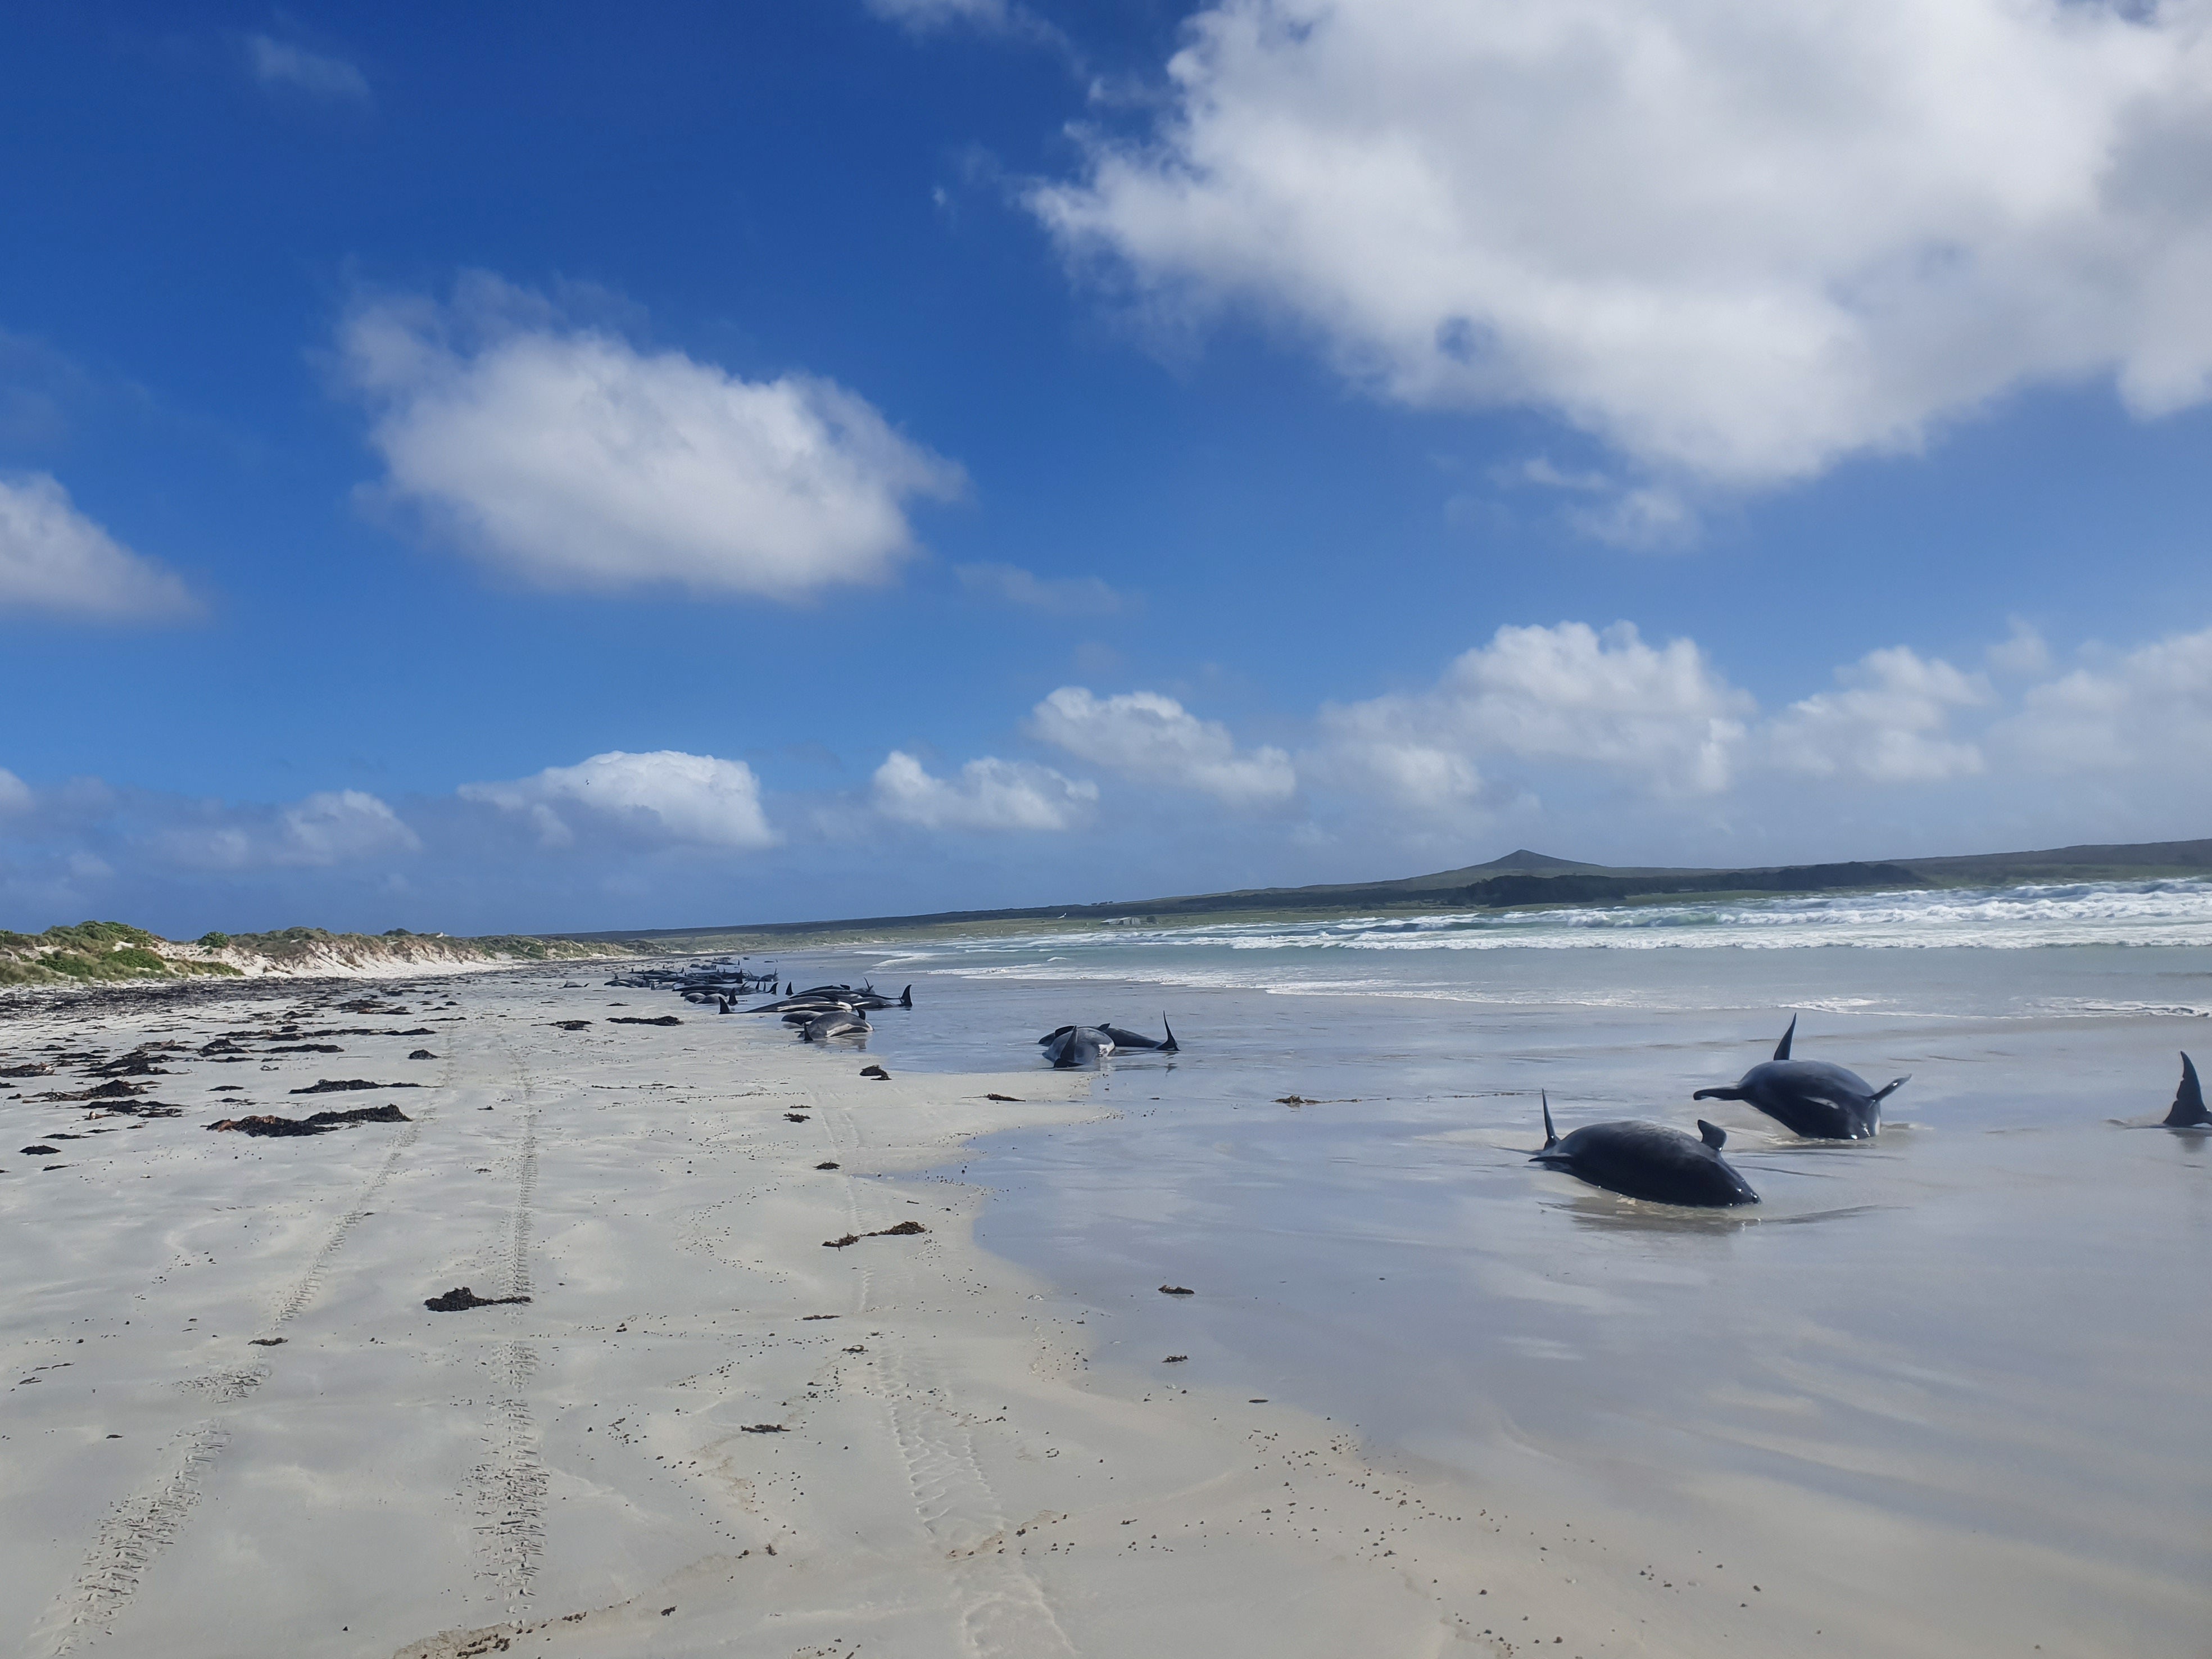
1946 1389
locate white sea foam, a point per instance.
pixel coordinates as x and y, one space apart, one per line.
2149 913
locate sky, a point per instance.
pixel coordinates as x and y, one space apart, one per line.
550 468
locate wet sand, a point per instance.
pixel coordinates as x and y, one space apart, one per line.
232 1426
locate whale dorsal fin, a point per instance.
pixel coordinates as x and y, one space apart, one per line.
1551 1135
2188 1100
1712 1135
1782 1049
1171 1047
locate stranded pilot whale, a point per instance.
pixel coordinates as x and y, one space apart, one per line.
1819 1101
1076 1045
1647 1160
2188 1111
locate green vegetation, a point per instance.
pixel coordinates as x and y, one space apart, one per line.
92 952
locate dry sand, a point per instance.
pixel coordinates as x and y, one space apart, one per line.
232 1428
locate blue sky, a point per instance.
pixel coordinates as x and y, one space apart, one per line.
535 468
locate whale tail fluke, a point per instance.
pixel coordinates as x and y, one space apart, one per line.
1891 1087
1712 1135
1171 1047
1551 1135
1782 1049
2188 1110
1725 1091
906 998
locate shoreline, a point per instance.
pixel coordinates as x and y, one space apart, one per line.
708 1434
247 1434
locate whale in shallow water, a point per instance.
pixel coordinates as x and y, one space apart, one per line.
2188 1109
1638 1159
1138 1039
1819 1101
1077 1045
842 1023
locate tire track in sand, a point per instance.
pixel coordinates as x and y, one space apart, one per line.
1003 1610
510 1486
148 1522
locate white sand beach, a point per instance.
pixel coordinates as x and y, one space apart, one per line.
232 1427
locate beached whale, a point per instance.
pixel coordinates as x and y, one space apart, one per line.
1077 1045
1819 1101
869 997
1638 1159
842 1023
1120 1038
2188 1109
1138 1039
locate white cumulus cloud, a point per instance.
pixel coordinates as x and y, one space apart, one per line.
988 794
1890 723
576 461
54 559
1736 241
1661 716
330 827
2147 711
667 795
1146 735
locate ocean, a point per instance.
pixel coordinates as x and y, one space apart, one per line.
1956 1376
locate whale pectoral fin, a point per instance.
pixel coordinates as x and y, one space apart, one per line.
1891 1087
2188 1108
1782 1049
1726 1092
1712 1135
1551 1135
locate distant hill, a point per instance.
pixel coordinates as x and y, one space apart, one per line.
2123 862
1521 878
102 952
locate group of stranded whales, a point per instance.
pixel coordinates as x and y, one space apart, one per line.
1641 1159
1815 1099
1636 1157
831 1011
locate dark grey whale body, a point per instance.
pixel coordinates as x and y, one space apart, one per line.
1077 1045
1138 1039
2188 1111
1652 1161
1819 1101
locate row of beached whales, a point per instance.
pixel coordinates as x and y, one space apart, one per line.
1633 1157
1642 1159
823 1011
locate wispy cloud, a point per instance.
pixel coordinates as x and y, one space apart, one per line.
1066 596
278 65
